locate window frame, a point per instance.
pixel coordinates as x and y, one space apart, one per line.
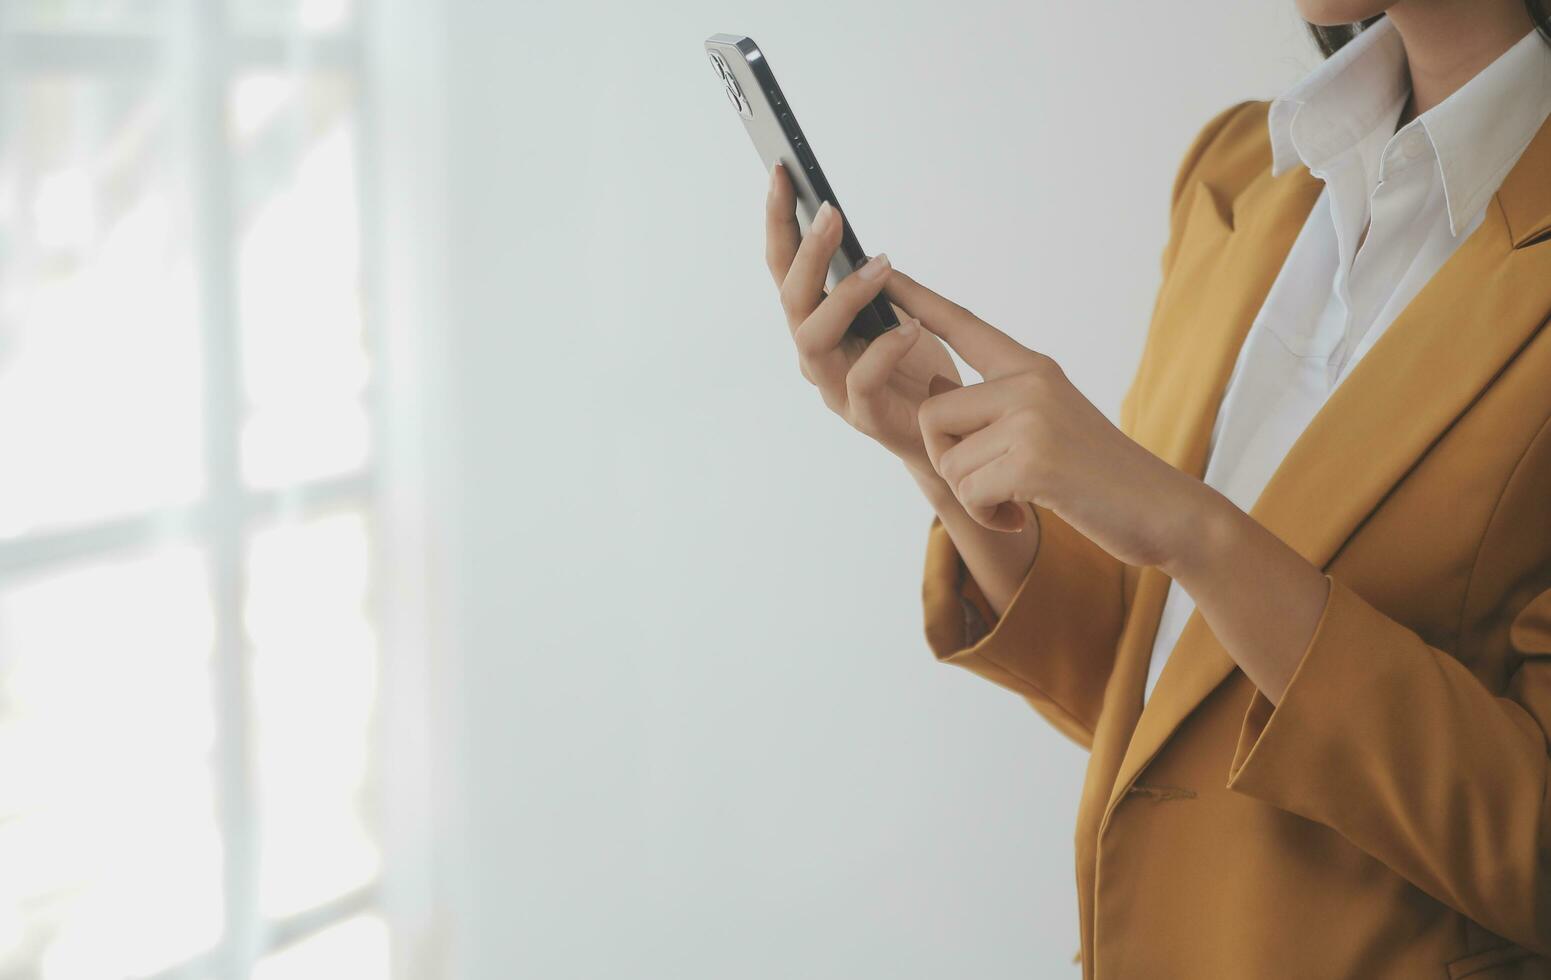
221 520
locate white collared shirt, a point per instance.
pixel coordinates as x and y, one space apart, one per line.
1420 191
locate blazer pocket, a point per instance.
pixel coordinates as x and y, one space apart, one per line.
1508 962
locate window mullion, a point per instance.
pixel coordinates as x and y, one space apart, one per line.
34 554
215 235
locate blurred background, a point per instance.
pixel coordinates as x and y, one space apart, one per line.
419 554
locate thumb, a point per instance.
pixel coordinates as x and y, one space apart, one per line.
940 384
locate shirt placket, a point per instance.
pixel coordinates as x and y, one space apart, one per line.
1395 206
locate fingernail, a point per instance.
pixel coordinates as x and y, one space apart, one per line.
821 220
875 267
909 327
774 171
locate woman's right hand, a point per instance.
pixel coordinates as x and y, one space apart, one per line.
877 387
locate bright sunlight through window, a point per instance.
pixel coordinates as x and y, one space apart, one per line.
189 656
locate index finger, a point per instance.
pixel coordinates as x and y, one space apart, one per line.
983 347
782 235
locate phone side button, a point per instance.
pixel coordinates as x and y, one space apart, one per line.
803 154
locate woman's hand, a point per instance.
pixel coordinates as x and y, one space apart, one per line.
1027 435
877 387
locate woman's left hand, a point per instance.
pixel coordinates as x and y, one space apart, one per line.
1025 434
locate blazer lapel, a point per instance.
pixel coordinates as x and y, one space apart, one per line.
1477 311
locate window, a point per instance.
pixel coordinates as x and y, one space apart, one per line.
189 649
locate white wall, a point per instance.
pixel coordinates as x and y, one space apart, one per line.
701 735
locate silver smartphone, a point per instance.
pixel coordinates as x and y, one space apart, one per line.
751 88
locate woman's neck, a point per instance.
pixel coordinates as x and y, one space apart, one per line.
1448 41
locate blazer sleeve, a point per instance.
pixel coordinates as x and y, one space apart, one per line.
1401 748
1056 643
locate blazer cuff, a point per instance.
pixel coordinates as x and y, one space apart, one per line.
1055 641
1404 751
1280 744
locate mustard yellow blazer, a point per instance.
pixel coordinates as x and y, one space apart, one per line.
1391 816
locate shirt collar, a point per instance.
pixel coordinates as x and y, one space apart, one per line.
1360 88
1480 131
1477 133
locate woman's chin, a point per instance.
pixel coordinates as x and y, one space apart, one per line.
1331 13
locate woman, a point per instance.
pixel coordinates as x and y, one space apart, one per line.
1298 604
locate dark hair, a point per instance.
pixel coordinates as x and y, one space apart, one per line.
1330 39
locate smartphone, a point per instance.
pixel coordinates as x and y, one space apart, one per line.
751 87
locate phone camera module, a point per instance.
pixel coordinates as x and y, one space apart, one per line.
730 86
